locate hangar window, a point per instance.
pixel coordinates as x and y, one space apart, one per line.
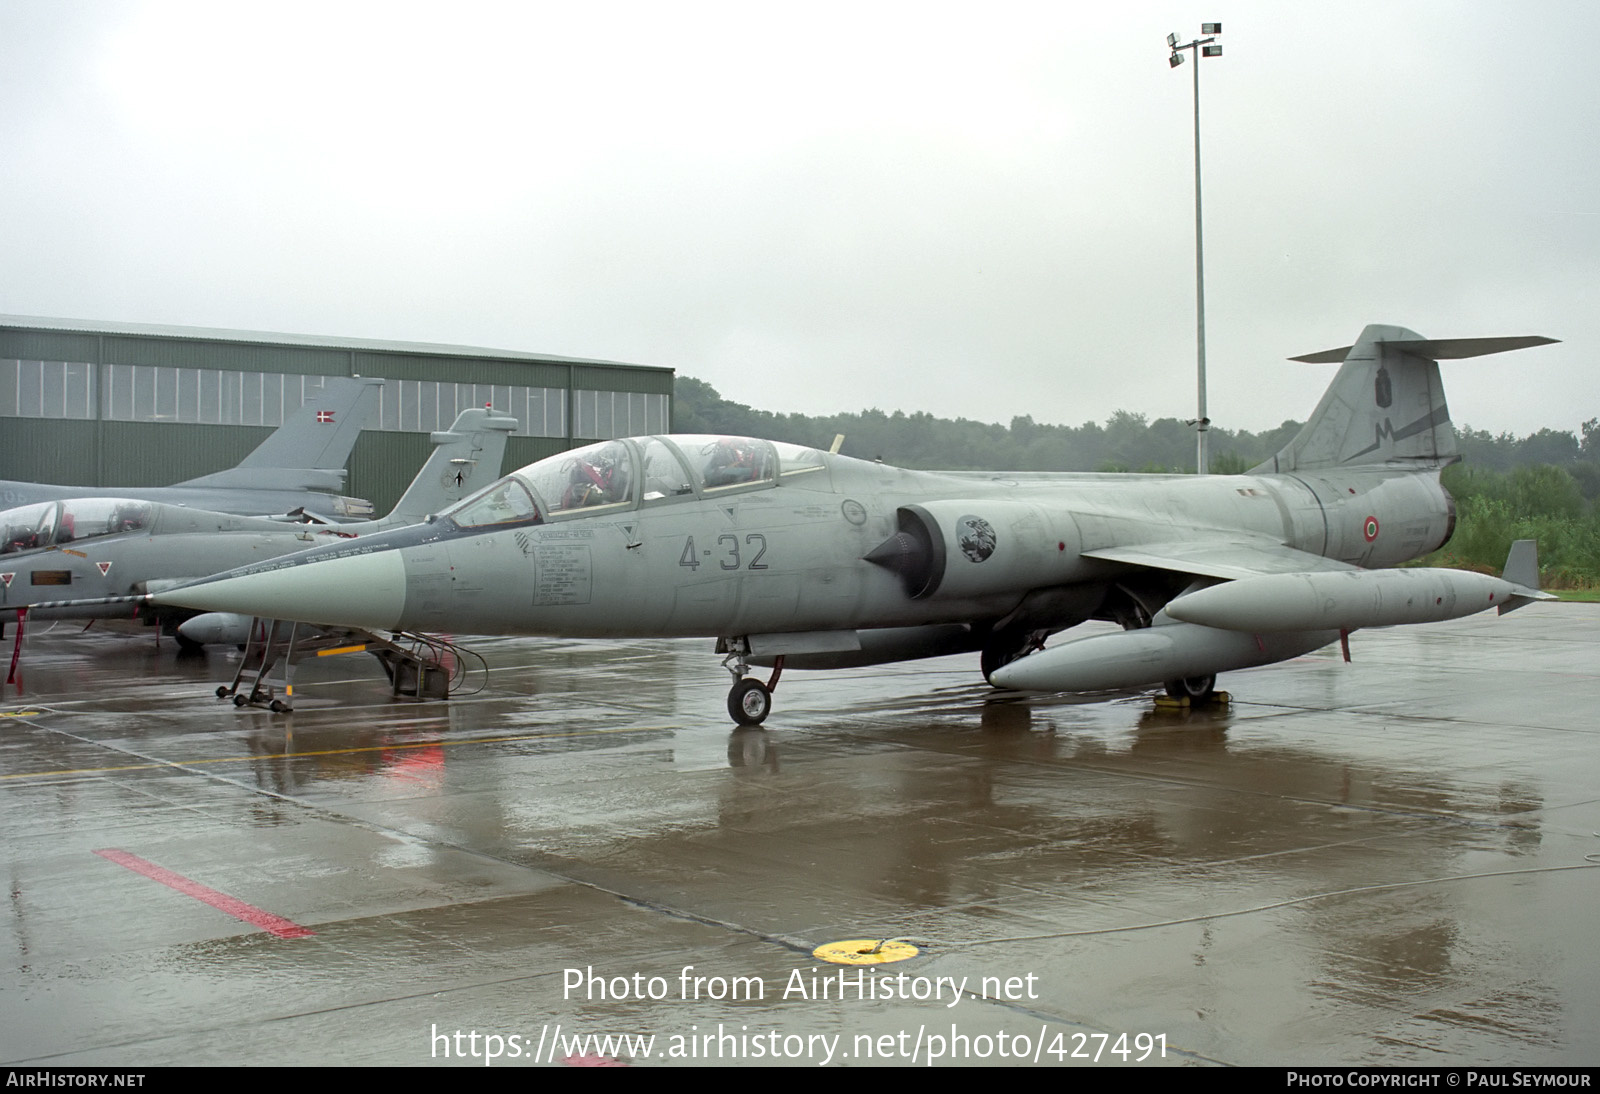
411 406
210 396
617 413
46 389
158 393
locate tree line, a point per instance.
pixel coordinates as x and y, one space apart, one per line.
1544 485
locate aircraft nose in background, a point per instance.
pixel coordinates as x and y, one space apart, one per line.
367 590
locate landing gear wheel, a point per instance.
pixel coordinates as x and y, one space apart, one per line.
1193 688
749 702
240 699
278 706
1005 647
996 656
222 691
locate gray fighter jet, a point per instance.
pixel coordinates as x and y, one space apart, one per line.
797 558
93 557
299 467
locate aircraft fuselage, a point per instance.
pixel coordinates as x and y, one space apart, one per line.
792 556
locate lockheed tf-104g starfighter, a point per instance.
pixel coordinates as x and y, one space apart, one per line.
793 557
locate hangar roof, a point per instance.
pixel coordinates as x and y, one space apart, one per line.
264 338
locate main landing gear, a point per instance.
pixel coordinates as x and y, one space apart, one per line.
1003 647
1191 693
749 700
1196 689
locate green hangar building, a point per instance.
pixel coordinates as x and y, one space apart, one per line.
122 404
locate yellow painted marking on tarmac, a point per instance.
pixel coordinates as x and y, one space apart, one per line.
20 713
865 951
397 747
341 649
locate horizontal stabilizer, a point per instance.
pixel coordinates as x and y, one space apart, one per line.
1438 349
1385 406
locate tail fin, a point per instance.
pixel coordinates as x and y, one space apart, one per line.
465 458
309 450
1386 404
1522 570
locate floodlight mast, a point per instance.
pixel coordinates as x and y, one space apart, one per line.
1201 47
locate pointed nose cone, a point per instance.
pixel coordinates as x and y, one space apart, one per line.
355 591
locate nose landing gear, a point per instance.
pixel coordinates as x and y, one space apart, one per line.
749 700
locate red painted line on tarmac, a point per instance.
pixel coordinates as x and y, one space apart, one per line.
235 907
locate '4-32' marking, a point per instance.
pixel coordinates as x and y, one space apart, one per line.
728 550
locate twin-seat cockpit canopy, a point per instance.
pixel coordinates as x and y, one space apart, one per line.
51 523
641 471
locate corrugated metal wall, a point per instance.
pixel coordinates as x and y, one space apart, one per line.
48 450
233 356
156 453
43 345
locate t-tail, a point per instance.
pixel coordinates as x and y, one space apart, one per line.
466 458
1386 404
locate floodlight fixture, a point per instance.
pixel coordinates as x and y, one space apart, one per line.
1206 46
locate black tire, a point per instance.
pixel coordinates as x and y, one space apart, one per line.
749 702
1002 648
996 656
1193 688
240 699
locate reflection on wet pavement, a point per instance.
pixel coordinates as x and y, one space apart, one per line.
1385 862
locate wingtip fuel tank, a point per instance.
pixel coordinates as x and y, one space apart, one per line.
1346 600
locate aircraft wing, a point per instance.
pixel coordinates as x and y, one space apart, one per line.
1230 559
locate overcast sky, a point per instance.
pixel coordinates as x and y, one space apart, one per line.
973 210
